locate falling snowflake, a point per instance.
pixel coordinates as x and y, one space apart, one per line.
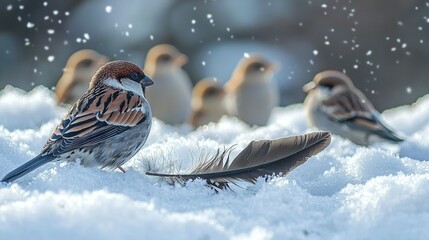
409 90
30 25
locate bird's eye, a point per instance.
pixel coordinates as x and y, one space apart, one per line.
134 76
257 67
327 85
86 63
211 91
165 58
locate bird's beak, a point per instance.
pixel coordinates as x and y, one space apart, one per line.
180 60
308 87
146 81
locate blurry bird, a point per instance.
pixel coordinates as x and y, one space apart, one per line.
79 69
106 127
334 104
259 159
250 94
171 95
207 102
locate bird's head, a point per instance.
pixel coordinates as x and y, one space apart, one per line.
164 56
122 75
84 63
254 69
207 92
208 88
327 81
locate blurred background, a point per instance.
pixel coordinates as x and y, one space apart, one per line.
382 45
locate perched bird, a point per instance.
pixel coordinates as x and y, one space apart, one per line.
79 69
207 102
250 94
259 159
106 127
171 95
334 104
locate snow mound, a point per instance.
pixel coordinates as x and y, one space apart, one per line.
345 192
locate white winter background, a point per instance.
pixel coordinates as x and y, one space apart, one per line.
345 192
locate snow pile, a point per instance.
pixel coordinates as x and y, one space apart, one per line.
345 192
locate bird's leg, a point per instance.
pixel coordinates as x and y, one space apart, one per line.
120 168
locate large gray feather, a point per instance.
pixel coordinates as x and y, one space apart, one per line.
258 159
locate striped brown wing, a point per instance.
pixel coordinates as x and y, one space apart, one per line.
345 104
354 109
98 116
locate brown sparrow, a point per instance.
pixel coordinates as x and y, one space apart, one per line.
250 94
207 102
106 127
170 97
79 69
334 104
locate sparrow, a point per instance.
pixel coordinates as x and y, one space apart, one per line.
250 94
334 104
107 126
79 69
207 102
171 96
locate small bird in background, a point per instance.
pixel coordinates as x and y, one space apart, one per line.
79 69
250 93
334 104
207 102
171 95
106 127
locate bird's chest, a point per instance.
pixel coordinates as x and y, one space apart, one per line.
255 96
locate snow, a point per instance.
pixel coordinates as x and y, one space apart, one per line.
345 192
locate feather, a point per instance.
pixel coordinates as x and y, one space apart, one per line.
258 159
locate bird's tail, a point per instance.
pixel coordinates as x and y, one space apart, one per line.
27 167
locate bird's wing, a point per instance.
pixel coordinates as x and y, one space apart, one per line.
95 118
351 107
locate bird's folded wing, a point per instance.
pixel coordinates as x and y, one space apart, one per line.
354 109
350 107
92 121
